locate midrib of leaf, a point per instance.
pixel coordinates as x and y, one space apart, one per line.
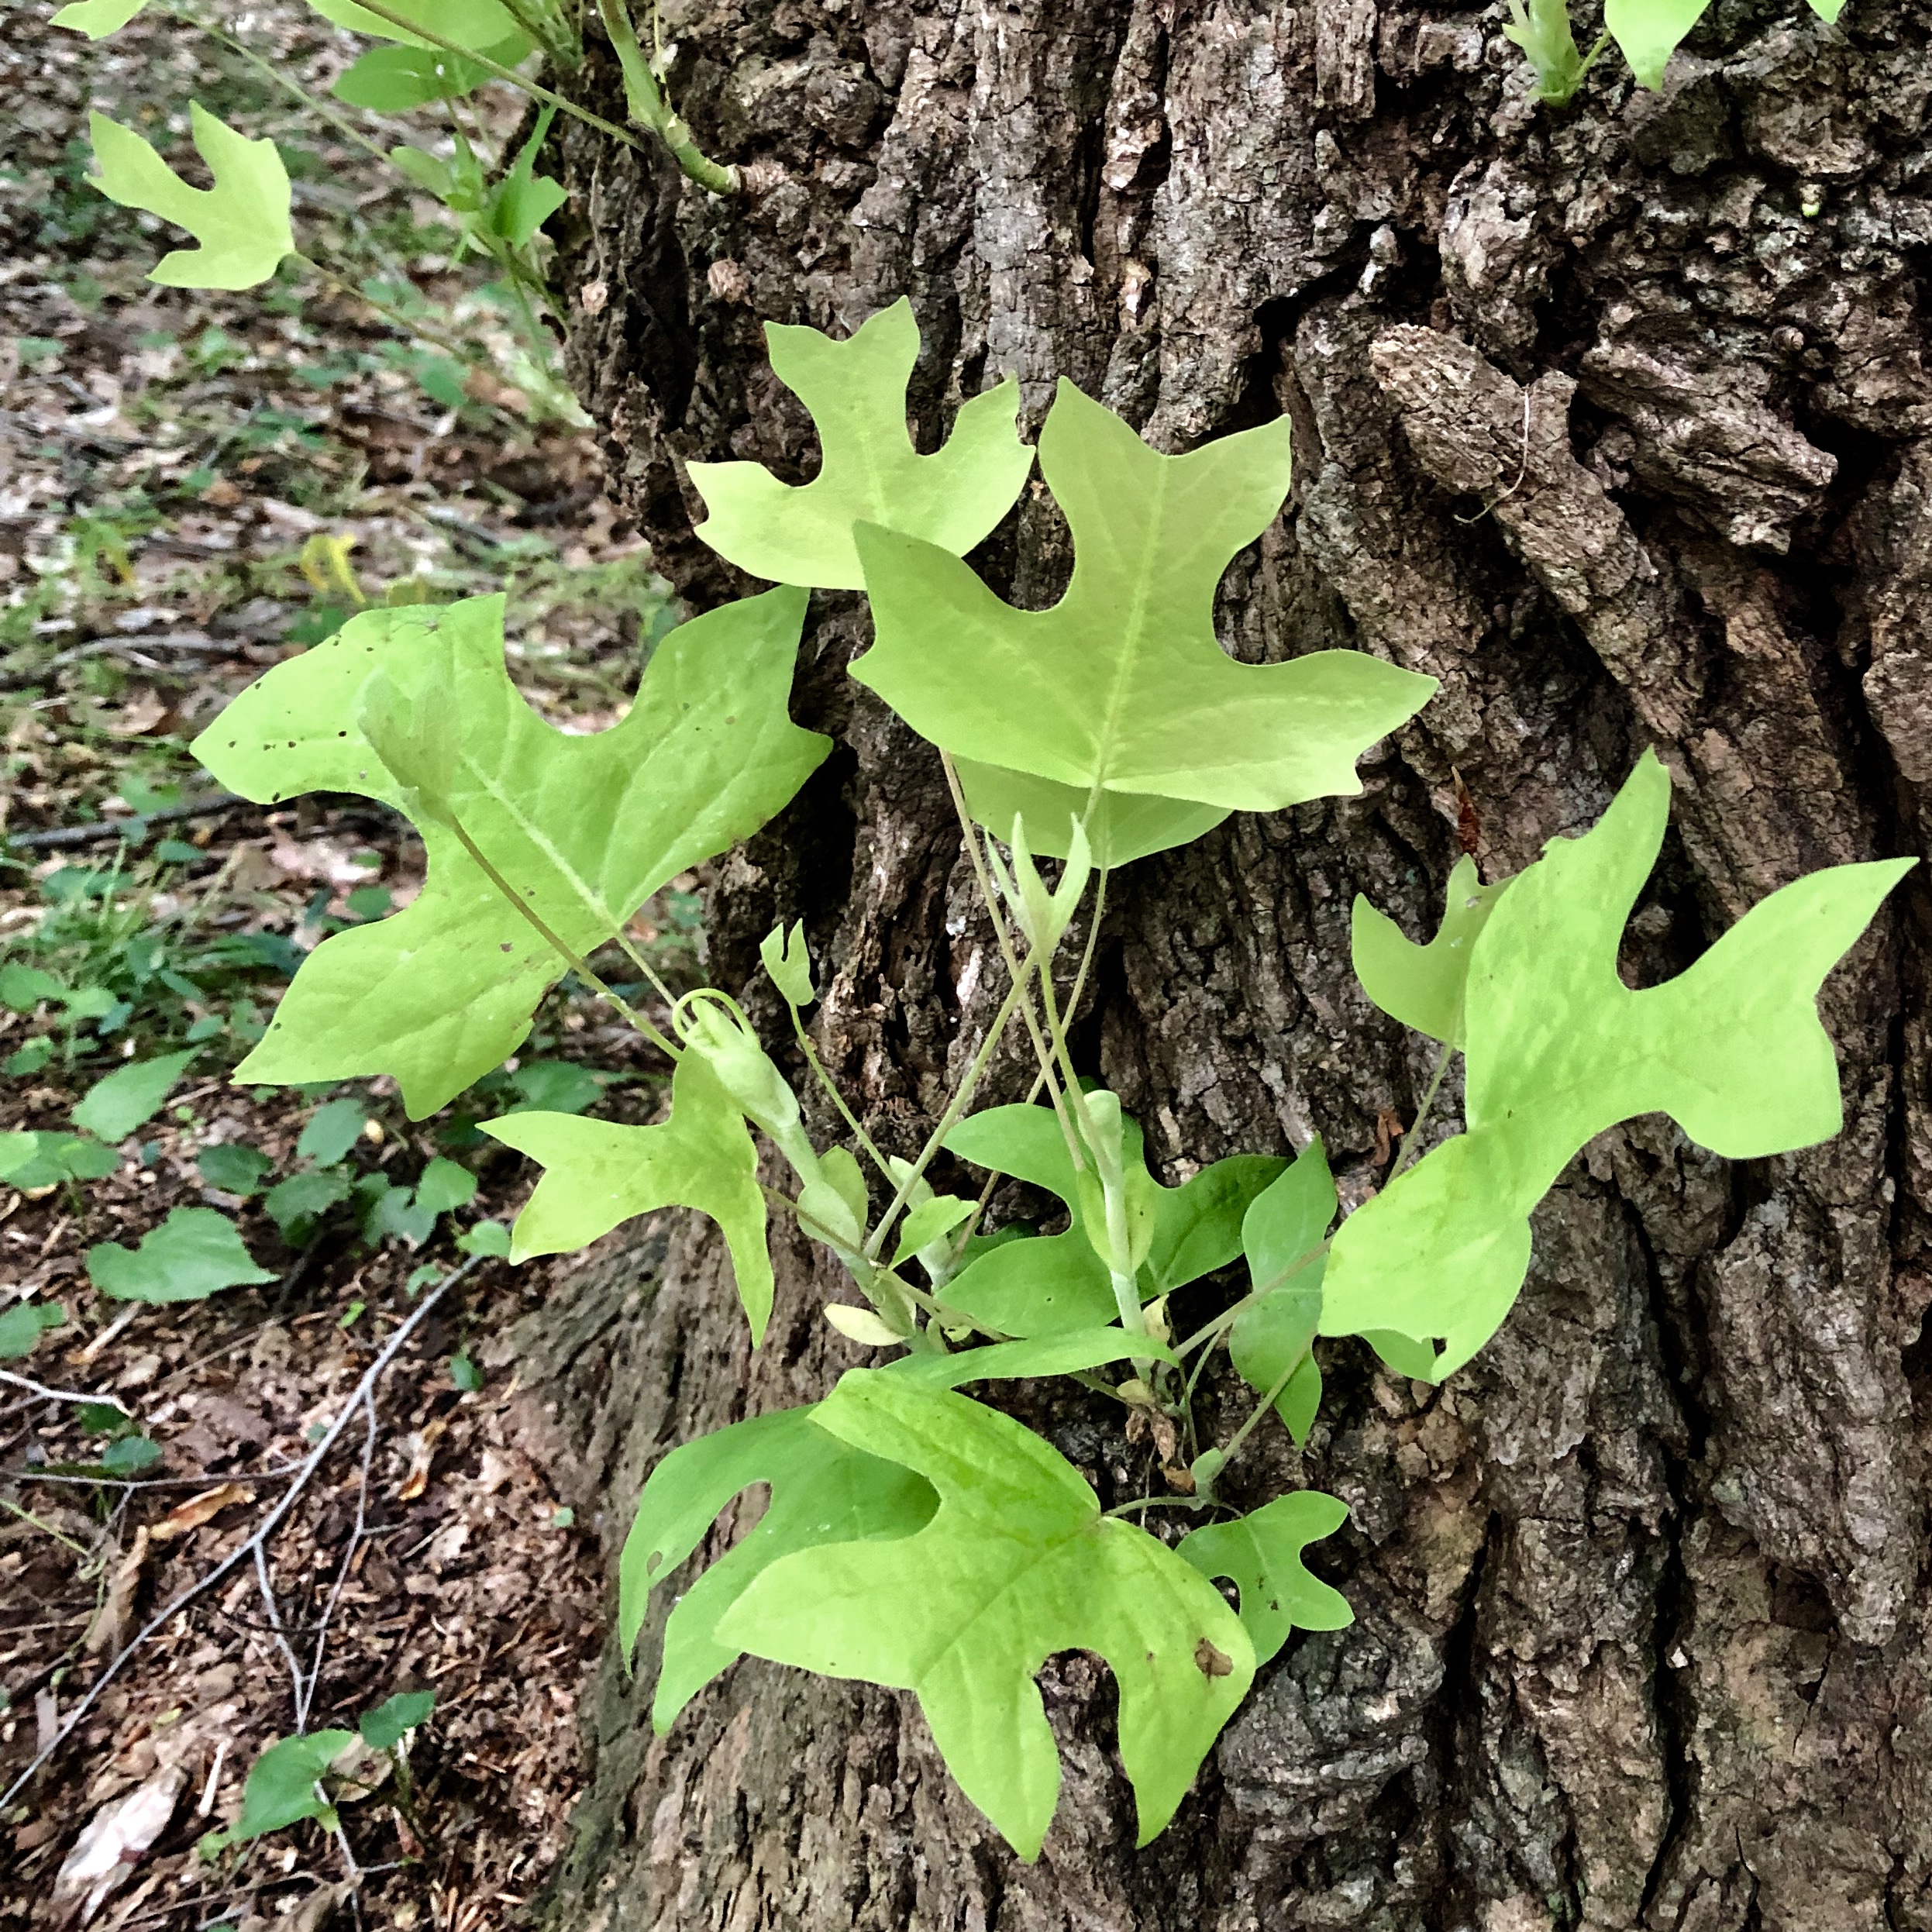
592 901
1132 628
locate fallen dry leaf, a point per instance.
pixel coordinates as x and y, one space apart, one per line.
112 1844
422 1449
109 1630
145 711
198 1510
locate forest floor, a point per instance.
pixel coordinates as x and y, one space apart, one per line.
194 488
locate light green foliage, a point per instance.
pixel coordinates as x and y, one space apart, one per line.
23 987
869 472
486 1237
1558 1049
114 1106
1120 828
1421 985
1261 1555
523 200
822 1490
194 1253
392 1720
281 1787
333 1129
98 19
1063 1354
599 1173
1017 1563
1122 687
1048 1283
588 827
41 1160
1043 914
1648 32
23 1325
242 223
1281 1236
480 24
1541 28
930 1221
788 963
392 80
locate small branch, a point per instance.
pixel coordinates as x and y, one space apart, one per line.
127 830
61 1395
246 1552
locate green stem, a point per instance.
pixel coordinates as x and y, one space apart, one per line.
1263 1407
825 1080
1140 1502
647 107
382 308
1412 1140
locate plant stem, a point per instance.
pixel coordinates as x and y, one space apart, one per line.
644 98
1412 1140
825 1080
1263 1407
381 307
1140 1502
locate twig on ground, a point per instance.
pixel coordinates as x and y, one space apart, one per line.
60 1395
127 830
246 1552
305 1694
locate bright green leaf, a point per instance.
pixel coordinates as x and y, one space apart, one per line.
1122 685
587 826
1119 827
392 1720
23 987
293 1203
1019 1563
486 1237
476 24
1280 1235
392 80
523 200
41 1160
1422 986
599 1173
113 1107
1261 1555
193 1254
98 19
856 392
22 1325
1062 1353
1198 1226
931 1220
234 1168
241 222
280 1789
788 962
822 1490
1648 32
1558 1049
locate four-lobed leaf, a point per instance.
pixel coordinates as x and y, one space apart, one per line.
586 827
1122 689
241 223
193 1254
1261 1555
1017 1564
856 390
1558 1049
1422 986
599 1173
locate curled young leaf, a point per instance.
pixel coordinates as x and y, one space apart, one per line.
1558 1049
870 472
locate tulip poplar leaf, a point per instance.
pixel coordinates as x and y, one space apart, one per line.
869 472
1016 1563
1558 1049
1122 687
598 1173
586 827
1261 1555
1422 986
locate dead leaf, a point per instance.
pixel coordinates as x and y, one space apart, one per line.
1389 1130
145 711
197 1509
107 1631
421 1454
112 1844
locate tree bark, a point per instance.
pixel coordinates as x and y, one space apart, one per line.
1614 420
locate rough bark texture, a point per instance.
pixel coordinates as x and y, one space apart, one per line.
1615 421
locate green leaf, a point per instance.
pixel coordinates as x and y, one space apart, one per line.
281 1790
931 1220
599 1173
486 1237
1261 1554
1019 1563
1055 1355
233 1169
856 392
1558 1049
464 1374
1123 686
113 1107
822 1490
588 827
445 1184
241 222
333 1128
476 24
1198 1226
392 80
392 1720
130 1454
43 1160
98 19
1120 828
300 1198
22 1325
1648 32
555 1086
193 1254
1422 986
23 987
788 963
1271 1336
523 200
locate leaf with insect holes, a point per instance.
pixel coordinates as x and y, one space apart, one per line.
241 222
476 24
822 1490
113 1106
856 390
1279 1235
586 828
97 19
1422 986
193 1254
1261 1555
600 1172
1122 687
1558 1049
1051 1282
1017 1563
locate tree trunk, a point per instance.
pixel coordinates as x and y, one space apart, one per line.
1614 419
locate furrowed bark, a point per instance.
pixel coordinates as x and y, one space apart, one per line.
1615 421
